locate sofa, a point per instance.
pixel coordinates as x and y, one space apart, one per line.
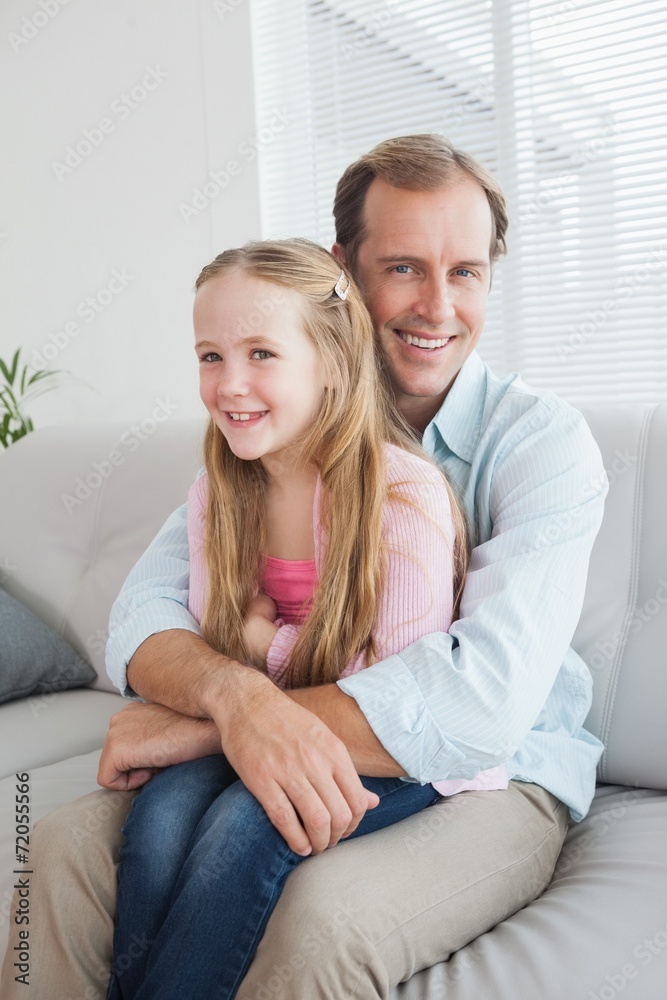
79 504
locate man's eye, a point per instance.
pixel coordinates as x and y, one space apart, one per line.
263 355
464 272
402 268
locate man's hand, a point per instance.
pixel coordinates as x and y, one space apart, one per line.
288 758
145 738
291 762
259 629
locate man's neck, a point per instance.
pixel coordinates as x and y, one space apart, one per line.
419 411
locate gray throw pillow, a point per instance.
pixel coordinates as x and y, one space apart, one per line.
33 658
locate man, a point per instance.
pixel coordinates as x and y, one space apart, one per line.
420 225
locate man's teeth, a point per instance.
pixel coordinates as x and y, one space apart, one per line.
430 345
243 416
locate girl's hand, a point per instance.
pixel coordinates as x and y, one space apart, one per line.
259 629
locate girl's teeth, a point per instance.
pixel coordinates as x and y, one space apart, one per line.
241 416
430 345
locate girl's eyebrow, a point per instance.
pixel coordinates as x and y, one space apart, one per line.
253 338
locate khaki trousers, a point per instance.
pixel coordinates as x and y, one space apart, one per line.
350 924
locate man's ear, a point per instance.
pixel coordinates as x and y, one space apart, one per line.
338 250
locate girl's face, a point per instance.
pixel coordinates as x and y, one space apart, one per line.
260 376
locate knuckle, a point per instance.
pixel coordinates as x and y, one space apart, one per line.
279 815
319 820
295 785
336 745
342 819
360 807
262 775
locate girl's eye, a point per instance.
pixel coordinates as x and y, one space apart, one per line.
263 355
211 354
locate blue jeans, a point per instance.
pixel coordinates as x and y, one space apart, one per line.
201 871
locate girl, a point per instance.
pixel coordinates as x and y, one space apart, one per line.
321 540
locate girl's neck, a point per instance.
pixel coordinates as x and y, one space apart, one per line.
285 476
289 514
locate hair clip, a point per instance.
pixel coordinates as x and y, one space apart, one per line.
342 286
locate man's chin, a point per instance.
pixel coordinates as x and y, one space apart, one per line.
433 386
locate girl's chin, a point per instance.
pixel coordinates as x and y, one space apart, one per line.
244 455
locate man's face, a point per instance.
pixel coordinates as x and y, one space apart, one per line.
424 271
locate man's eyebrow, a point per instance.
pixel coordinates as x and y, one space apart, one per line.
407 258
480 264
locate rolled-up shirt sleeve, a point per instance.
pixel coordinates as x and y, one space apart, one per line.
453 704
154 598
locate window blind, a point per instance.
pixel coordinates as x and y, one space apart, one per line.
563 101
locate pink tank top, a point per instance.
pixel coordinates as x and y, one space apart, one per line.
290 583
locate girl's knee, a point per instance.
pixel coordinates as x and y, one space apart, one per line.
238 827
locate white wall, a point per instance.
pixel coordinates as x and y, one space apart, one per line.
165 90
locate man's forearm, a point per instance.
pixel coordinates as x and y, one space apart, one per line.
343 716
179 669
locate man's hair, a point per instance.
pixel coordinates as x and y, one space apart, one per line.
417 163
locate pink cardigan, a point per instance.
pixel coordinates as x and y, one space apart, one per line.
417 597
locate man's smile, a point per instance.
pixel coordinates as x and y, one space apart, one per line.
423 343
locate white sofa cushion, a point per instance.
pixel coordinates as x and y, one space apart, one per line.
598 931
622 634
46 728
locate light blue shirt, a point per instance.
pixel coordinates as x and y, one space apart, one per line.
503 686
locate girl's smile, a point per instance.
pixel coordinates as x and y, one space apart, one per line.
247 418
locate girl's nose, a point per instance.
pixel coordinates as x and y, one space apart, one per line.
233 382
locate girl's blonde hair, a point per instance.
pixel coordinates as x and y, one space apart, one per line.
346 442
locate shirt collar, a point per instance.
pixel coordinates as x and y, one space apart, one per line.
459 419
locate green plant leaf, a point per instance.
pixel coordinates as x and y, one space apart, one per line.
15 393
44 374
15 365
9 399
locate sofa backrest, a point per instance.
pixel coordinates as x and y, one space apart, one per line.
622 633
79 505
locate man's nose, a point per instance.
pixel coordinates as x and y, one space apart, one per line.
436 304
